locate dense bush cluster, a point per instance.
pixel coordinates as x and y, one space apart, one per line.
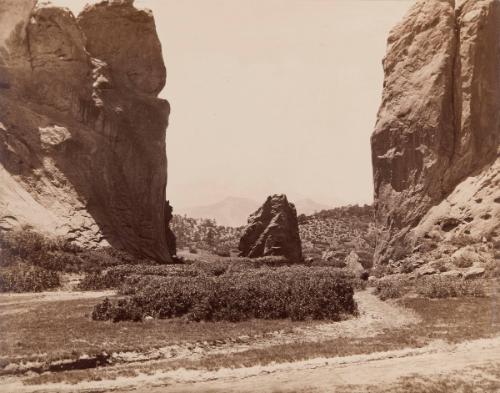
445 287
56 254
30 261
24 278
268 293
115 277
392 287
431 287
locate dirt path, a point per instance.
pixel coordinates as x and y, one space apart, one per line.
16 303
323 374
50 296
374 316
318 375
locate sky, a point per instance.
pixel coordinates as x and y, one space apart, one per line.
271 96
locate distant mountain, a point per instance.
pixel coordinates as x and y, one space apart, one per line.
234 211
307 206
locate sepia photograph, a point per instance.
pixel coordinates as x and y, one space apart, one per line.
250 196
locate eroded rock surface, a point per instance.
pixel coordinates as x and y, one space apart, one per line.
272 230
436 142
82 132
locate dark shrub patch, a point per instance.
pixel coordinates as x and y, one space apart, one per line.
130 275
446 287
24 278
430 287
122 310
57 254
289 292
392 287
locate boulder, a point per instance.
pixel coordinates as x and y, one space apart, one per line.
82 131
466 257
474 272
353 264
427 271
451 274
272 230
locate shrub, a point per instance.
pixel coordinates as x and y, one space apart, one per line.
24 278
429 286
289 292
123 310
56 254
116 276
222 251
446 287
392 287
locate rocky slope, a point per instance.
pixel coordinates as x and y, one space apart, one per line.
330 236
272 230
205 234
82 131
435 147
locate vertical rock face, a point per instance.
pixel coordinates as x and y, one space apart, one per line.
272 230
126 39
439 121
82 132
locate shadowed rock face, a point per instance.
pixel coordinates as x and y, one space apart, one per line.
272 230
439 121
82 132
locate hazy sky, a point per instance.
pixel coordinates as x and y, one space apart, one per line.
271 96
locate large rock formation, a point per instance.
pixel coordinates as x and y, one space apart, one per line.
272 230
82 131
436 142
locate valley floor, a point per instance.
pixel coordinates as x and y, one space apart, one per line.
410 345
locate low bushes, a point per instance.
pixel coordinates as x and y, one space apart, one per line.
392 288
433 287
289 292
56 254
115 276
25 278
446 287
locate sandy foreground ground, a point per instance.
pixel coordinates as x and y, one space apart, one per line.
315 375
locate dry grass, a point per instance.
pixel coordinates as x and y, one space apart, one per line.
64 329
472 380
451 320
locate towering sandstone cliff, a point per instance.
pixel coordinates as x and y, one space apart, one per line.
435 148
82 131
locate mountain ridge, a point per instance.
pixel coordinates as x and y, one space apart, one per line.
234 211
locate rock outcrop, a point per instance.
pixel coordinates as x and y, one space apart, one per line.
272 230
82 131
436 143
